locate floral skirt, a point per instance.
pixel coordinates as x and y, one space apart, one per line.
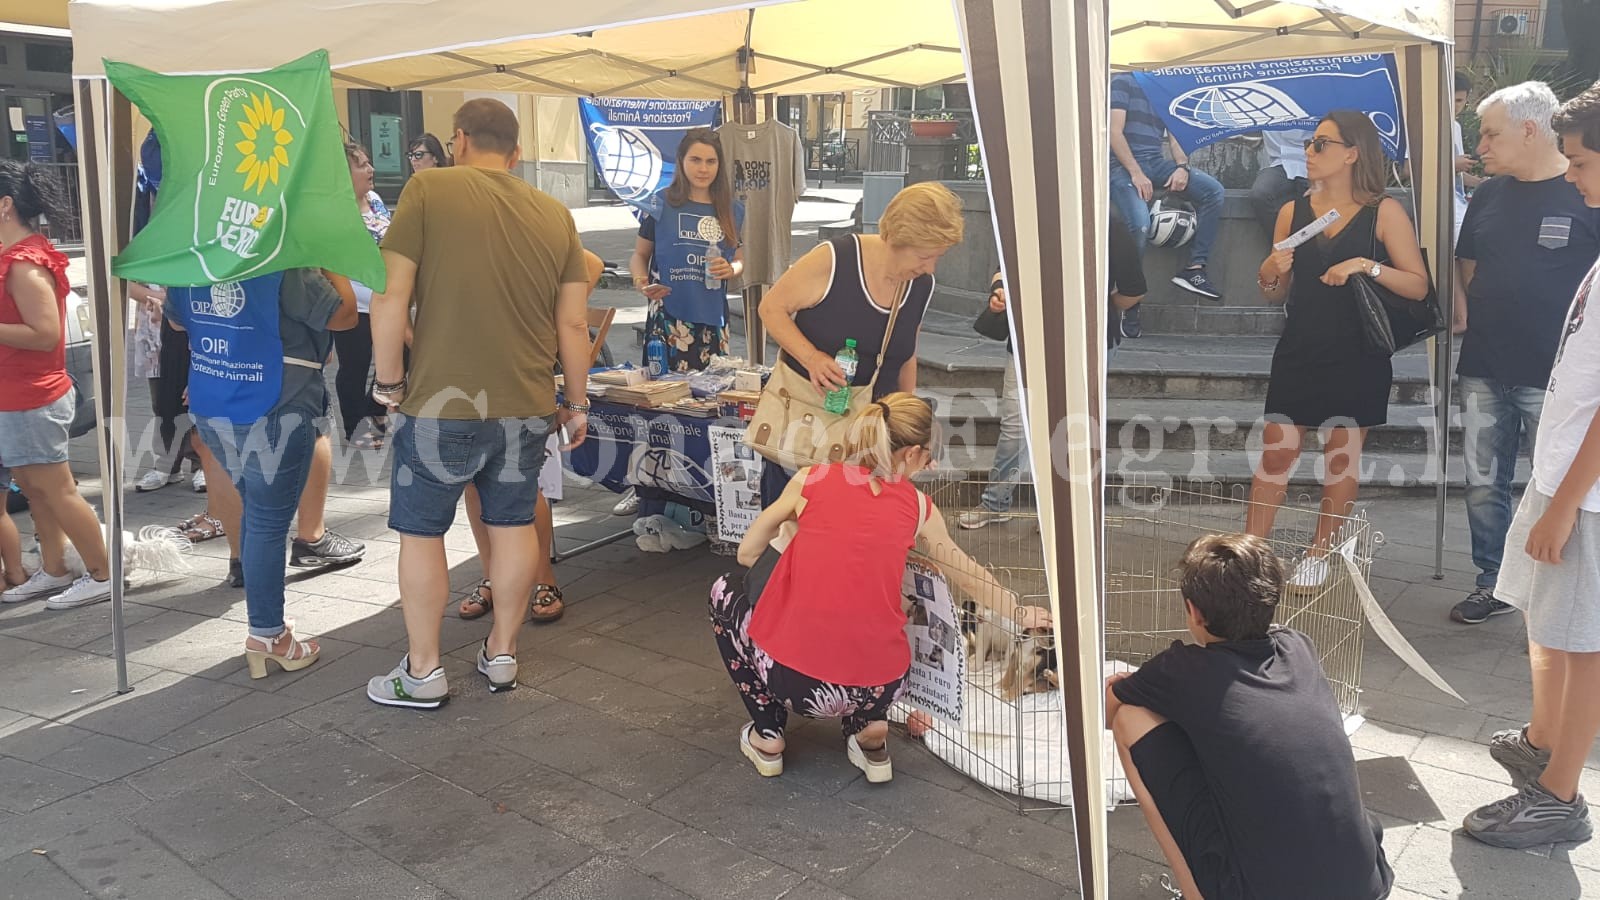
770 690
690 345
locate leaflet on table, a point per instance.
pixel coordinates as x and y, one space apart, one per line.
1310 231
938 658
736 482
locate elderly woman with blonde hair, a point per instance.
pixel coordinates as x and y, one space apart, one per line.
846 288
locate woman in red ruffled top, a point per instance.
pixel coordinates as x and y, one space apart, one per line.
36 395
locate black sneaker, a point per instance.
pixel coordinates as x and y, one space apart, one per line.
1530 817
1130 322
1479 606
235 573
332 549
1195 282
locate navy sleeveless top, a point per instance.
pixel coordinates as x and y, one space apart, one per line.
848 311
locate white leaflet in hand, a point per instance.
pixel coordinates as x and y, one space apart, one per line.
1308 232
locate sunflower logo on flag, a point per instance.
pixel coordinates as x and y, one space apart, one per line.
265 144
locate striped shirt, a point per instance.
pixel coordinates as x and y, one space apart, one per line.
1144 129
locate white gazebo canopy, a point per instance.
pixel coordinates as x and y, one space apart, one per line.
1038 70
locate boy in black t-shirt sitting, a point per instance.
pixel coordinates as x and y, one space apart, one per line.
1236 749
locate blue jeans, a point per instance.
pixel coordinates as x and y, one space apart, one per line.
1011 450
268 461
435 460
1204 192
1495 417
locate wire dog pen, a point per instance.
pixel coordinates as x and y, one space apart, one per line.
1010 737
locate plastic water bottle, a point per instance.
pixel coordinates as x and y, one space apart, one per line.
838 400
713 252
655 352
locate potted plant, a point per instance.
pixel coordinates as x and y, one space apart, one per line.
934 125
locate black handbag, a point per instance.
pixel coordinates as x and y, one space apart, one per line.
1390 322
992 325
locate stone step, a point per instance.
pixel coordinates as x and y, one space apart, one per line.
972 416
1385 474
1181 317
1162 424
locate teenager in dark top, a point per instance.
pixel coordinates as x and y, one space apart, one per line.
1236 749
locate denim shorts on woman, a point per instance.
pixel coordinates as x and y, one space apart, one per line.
435 460
37 437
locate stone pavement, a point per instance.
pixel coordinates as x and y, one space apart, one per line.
612 771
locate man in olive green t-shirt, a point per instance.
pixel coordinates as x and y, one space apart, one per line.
498 282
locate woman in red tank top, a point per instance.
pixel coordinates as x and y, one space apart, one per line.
36 396
827 638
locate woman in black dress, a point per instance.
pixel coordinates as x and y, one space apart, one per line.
1322 377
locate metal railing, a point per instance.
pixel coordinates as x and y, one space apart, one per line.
68 233
948 140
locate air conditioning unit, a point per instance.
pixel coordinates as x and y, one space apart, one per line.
1511 24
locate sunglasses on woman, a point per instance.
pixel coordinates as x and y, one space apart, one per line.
418 154
1317 145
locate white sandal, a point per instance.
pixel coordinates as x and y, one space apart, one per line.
769 765
875 764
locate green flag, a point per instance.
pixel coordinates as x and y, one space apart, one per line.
254 178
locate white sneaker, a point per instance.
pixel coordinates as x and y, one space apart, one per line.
83 592
1310 574
155 481
977 518
500 670
42 584
628 505
199 481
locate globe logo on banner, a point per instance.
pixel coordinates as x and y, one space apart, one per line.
227 299
1201 105
629 162
670 470
1247 105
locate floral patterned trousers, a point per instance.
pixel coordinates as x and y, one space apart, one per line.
771 690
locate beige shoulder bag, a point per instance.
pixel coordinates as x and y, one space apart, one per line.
792 428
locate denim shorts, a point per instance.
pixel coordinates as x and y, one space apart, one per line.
37 437
435 460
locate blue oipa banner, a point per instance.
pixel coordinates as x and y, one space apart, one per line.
634 142
1204 104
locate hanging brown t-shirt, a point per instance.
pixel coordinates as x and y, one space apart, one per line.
492 252
769 176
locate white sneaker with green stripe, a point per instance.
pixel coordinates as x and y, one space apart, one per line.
401 688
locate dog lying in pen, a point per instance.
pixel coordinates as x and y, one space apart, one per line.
1030 662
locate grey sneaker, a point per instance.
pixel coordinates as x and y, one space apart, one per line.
1479 606
399 688
332 549
1522 761
501 670
1528 818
